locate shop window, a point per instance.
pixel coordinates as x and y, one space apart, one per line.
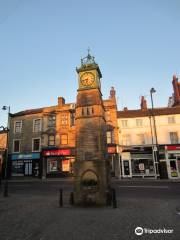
17 168
142 166
171 119
141 139
52 121
72 119
37 125
17 126
173 137
51 140
126 139
64 119
36 144
53 165
64 139
139 122
16 146
124 123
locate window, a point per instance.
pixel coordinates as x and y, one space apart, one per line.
173 137
88 112
51 140
110 137
52 121
140 139
126 139
171 119
138 122
16 146
82 111
124 123
64 139
72 119
64 119
37 125
17 126
36 144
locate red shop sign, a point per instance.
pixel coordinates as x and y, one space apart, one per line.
57 152
112 150
173 148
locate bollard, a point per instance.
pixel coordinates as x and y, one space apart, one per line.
114 202
60 198
71 200
108 198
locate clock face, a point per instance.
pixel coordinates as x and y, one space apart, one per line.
87 79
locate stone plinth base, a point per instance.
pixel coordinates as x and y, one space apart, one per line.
92 182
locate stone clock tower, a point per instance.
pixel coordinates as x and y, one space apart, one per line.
91 170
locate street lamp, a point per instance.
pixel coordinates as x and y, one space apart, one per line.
156 149
7 141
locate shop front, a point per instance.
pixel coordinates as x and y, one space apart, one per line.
172 153
26 164
138 162
113 157
58 162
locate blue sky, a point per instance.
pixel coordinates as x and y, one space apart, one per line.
135 42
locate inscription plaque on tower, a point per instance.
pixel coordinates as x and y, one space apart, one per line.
91 169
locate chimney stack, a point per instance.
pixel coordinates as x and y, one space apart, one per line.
61 101
176 88
143 103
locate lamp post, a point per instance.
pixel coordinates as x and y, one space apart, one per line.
156 149
6 163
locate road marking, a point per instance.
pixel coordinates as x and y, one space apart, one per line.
137 186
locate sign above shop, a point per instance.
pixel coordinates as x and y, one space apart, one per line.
112 150
173 148
26 156
57 152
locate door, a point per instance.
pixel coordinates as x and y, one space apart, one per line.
126 167
28 168
173 169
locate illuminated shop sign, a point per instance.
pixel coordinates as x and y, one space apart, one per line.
57 152
112 150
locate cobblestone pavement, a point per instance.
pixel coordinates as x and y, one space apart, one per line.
37 216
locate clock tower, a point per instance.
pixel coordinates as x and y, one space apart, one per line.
91 169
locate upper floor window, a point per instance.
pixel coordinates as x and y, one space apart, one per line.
124 123
17 126
64 119
139 122
141 139
37 125
110 137
171 119
72 119
52 120
64 139
36 144
16 146
173 137
51 140
126 139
